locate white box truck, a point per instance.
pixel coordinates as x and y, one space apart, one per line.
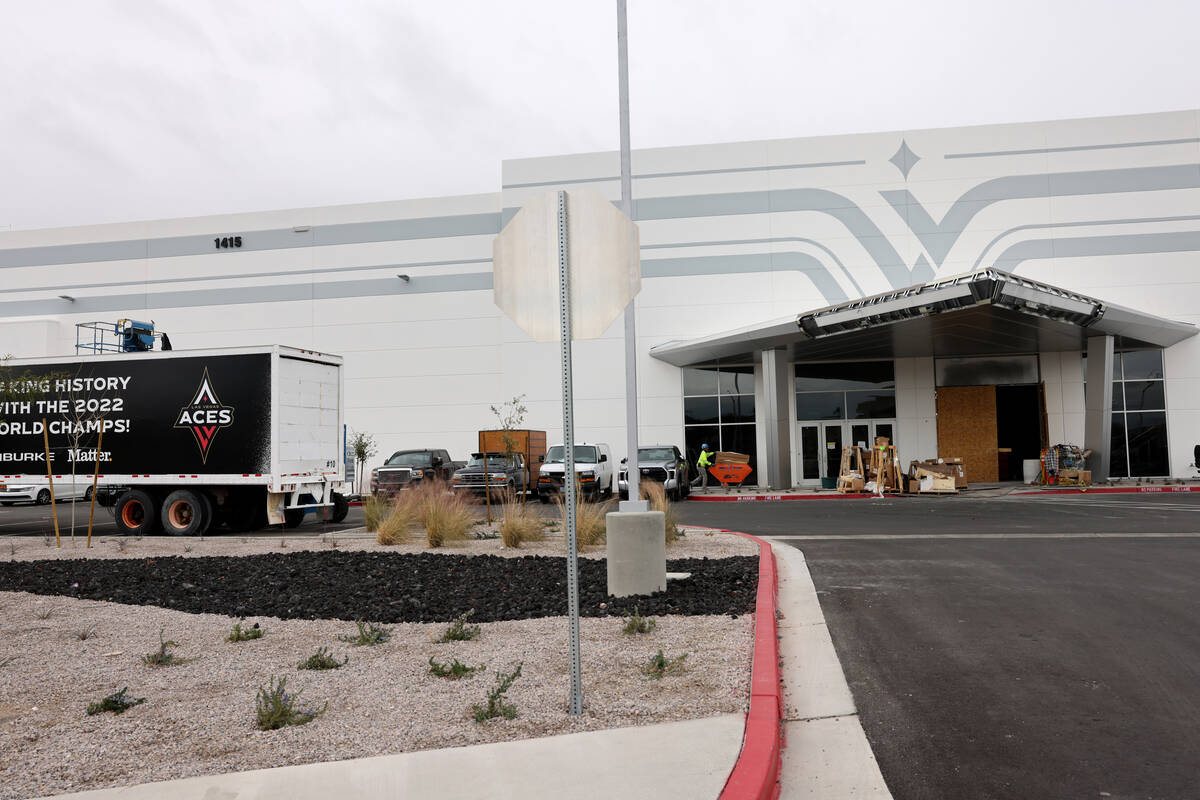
241 436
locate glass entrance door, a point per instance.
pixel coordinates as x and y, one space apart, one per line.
821 443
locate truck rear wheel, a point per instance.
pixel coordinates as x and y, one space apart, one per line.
136 513
341 507
184 513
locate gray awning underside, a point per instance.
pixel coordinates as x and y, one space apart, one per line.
988 312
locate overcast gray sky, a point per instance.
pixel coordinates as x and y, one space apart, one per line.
141 109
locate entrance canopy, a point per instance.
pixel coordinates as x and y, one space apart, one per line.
988 312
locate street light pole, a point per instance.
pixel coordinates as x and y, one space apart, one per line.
635 502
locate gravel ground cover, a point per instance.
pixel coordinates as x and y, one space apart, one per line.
198 718
382 587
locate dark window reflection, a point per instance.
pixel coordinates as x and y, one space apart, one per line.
809 453
1147 434
737 408
1141 364
1144 395
845 376
699 410
820 405
736 380
699 381
1118 403
871 405
1118 466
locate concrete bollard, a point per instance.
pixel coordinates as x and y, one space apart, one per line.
637 553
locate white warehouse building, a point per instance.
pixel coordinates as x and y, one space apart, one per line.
952 289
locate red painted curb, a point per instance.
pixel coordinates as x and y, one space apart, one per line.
755 776
1110 490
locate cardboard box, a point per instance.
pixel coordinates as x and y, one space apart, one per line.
912 485
938 484
882 441
732 458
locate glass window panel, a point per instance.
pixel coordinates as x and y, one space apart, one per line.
871 405
1141 364
1118 402
736 380
832 447
741 439
1118 466
699 410
820 405
810 465
860 436
1143 395
884 429
737 408
699 381
1147 437
696 435
986 371
845 376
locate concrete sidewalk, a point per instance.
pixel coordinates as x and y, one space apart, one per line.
827 754
677 760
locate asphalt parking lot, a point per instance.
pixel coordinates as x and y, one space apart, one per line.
1042 647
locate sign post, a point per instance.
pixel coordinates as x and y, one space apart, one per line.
576 248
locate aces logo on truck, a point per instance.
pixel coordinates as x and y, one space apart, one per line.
205 416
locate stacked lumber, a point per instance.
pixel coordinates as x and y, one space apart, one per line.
876 470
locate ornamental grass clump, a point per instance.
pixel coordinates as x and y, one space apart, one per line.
240 634
657 496
454 670
660 665
459 630
322 659
369 634
276 709
590 525
374 508
445 515
520 524
117 703
396 525
496 707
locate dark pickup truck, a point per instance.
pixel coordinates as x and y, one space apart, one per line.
406 468
503 475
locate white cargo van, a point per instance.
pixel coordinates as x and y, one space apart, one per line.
593 468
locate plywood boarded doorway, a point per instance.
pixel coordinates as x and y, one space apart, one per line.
966 429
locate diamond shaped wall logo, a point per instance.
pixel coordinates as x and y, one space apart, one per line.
904 159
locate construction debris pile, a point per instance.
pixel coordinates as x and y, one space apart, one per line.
1064 465
877 471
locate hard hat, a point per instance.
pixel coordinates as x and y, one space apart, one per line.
703 447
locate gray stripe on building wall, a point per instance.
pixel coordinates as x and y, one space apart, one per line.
939 238
1085 223
690 173
271 239
247 275
1071 149
430 284
773 240
1115 245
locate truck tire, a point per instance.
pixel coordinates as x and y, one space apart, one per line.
136 513
183 513
341 507
43 497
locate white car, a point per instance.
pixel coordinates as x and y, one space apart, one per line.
26 491
593 467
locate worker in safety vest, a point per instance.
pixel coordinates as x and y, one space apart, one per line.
704 462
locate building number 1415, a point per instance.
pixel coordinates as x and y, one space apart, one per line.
226 242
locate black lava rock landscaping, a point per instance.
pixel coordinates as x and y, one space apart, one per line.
382 587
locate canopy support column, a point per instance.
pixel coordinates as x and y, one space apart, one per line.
775 417
1097 429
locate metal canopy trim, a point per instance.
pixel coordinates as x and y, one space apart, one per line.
988 312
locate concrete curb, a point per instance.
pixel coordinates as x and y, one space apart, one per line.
755 776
